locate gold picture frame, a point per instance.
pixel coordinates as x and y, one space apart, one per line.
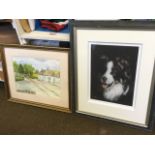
1 70
37 76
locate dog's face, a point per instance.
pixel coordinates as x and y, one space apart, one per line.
107 79
115 71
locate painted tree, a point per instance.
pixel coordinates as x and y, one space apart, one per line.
21 69
15 66
29 70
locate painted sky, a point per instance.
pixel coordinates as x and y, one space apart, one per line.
38 63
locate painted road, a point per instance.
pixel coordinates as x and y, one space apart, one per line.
40 88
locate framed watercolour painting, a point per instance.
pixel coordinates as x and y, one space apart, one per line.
114 70
37 76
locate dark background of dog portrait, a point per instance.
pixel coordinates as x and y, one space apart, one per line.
98 67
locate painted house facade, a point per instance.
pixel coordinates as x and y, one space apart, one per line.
48 78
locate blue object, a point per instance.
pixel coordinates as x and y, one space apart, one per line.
45 43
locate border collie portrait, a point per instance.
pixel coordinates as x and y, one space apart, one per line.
113 72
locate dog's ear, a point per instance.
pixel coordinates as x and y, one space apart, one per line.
124 66
122 63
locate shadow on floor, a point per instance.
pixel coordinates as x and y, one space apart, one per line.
22 119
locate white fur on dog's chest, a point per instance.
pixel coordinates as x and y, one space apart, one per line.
113 92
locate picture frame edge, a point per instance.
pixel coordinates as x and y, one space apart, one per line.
121 123
117 24
40 105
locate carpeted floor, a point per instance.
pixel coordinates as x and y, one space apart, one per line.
22 119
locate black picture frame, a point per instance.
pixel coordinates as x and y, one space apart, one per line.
120 25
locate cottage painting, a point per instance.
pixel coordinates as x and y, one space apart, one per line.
37 76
